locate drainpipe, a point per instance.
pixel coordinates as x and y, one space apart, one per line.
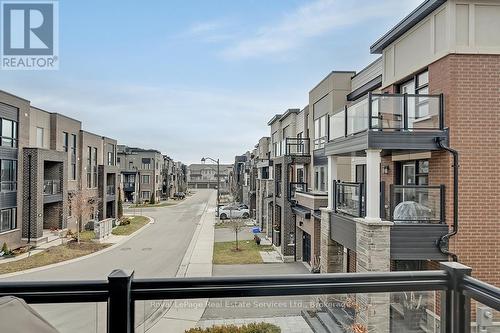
444 240
29 198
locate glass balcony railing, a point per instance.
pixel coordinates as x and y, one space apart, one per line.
349 198
297 146
51 187
417 204
296 186
110 190
389 113
413 301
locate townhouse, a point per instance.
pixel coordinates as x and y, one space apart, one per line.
401 172
174 177
264 186
141 174
205 176
42 159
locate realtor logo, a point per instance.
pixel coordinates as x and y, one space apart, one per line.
29 35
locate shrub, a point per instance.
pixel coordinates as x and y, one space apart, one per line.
120 205
250 328
5 249
125 221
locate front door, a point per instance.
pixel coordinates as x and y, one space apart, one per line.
409 178
306 248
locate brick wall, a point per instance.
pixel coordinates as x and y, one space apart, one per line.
471 85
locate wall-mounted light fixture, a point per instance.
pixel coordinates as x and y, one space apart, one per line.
386 169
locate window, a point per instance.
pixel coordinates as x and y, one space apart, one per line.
7 219
111 154
146 195
8 178
89 167
94 168
320 132
118 161
418 107
156 178
65 141
276 144
73 156
146 163
8 133
145 179
320 178
39 137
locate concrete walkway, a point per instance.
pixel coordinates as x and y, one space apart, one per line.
180 315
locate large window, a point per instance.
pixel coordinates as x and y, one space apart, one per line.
89 167
320 178
111 154
7 219
320 130
65 141
146 179
8 133
276 144
39 137
8 178
146 164
73 157
146 195
94 166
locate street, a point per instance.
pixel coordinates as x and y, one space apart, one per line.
156 251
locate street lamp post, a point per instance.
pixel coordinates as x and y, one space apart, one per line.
218 180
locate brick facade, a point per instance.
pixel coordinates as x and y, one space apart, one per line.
471 85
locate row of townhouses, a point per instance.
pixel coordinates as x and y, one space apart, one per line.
393 167
204 175
47 160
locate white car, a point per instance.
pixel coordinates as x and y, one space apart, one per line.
234 212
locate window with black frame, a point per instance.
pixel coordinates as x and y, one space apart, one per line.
8 178
8 133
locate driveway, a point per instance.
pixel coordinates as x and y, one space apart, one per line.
156 251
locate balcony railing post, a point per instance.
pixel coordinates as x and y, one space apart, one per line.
441 111
334 196
457 305
370 110
120 305
345 121
391 204
360 209
405 112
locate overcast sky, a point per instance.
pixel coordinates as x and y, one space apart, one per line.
195 78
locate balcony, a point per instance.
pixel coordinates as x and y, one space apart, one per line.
297 147
416 211
388 121
359 302
129 186
296 186
52 191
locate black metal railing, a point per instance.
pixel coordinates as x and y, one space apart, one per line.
297 147
121 290
417 203
389 112
296 186
349 198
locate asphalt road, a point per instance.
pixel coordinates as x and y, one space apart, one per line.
156 251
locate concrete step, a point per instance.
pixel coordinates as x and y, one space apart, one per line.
329 323
313 322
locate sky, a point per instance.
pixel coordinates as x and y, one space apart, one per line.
199 78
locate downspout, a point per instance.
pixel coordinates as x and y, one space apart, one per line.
29 198
444 240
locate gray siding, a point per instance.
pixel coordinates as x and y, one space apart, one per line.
343 230
417 241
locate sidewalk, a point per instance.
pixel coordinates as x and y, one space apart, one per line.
197 262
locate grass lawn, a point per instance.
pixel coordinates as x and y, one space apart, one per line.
53 255
225 253
136 222
87 235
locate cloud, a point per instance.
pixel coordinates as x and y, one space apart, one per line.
184 123
312 20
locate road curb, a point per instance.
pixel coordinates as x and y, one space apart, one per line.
62 263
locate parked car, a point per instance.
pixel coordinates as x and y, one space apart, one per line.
234 212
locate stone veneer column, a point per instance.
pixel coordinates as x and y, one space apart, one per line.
373 254
331 253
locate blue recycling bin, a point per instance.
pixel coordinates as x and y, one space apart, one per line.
256 230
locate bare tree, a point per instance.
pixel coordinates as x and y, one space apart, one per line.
237 225
83 205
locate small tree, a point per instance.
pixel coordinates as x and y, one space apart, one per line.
152 199
120 205
83 204
237 226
